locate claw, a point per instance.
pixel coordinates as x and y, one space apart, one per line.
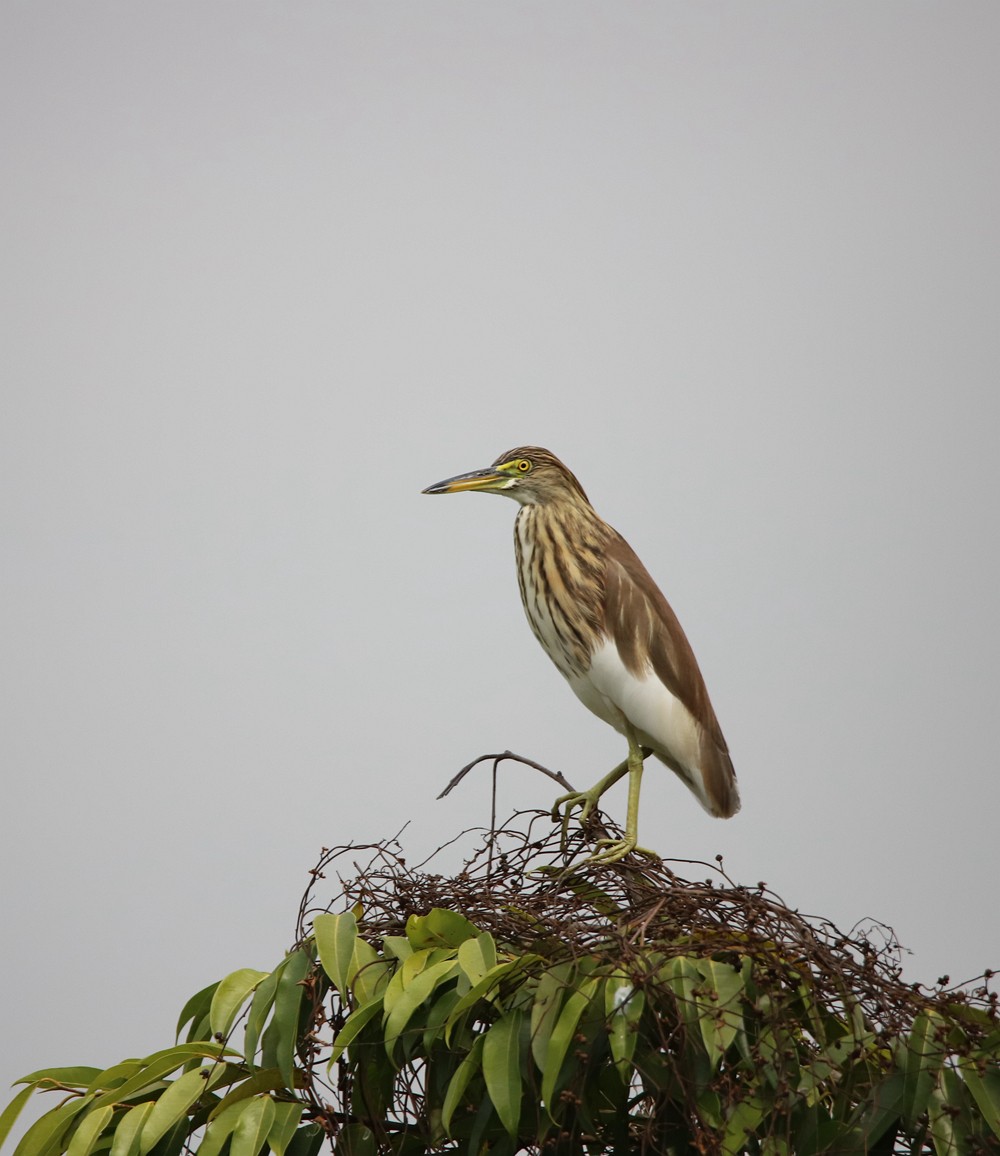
585 799
563 807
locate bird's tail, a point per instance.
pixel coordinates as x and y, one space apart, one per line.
712 780
721 792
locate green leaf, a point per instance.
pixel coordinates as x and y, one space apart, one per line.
985 1089
623 1006
549 991
196 1008
682 978
439 928
88 1131
810 1014
336 936
126 1141
158 1065
404 975
253 1127
460 1081
486 987
114 1076
398 946
412 997
287 1003
482 1132
742 1121
175 1102
502 1068
263 1080
220 1126
229 997
885 1109
356 1140
353 1027
286 1120
13 1110
943 1115
721 1014
173 1143
369 973
849 1035
260 1009
476 956
44 1136
307 1141
562 1037
74 1077
439 1011
920 1057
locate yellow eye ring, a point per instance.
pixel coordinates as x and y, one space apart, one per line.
523 465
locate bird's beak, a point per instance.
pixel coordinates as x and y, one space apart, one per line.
474 480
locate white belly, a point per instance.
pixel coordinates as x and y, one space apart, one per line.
662 721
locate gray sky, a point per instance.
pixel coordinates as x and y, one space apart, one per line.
268 270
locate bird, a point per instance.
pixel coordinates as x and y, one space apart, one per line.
613 636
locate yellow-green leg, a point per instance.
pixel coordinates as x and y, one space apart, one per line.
614 849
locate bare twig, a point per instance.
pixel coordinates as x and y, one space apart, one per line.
499 758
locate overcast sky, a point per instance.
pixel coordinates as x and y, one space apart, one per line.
269 270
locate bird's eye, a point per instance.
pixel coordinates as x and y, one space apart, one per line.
523 465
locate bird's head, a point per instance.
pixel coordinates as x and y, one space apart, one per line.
528 474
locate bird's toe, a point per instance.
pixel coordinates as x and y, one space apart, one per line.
613 850
565 805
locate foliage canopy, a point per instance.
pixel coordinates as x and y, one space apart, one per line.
527 1005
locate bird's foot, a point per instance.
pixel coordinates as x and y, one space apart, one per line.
613 849
565 805
616 849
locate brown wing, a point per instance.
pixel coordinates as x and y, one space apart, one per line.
648 636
